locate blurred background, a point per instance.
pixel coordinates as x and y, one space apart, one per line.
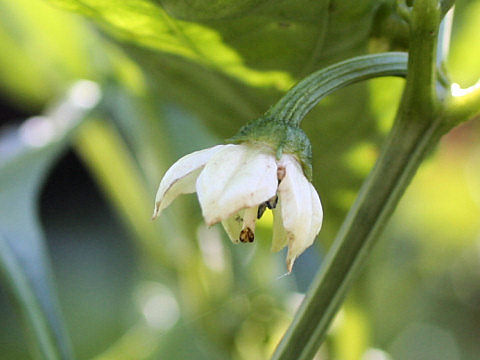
97 99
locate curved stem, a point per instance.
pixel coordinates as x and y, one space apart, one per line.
293 107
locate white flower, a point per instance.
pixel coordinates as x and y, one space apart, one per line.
236 183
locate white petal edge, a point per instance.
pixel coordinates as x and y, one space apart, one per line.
317 215
181 176
301 209
297 246
235 178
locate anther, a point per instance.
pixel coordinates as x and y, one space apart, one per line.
247 235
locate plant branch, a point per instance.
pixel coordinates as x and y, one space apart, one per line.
420 90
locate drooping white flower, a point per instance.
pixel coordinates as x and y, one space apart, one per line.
236 183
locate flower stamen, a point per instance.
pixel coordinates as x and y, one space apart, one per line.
261 209
270 204
247 235
248 230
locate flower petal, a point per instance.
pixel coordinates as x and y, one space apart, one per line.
237 177
180 177
279 238
233 226
301 208
317 214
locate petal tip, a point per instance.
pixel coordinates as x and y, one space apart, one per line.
290 262
156 211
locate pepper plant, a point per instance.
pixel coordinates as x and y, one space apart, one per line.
284 84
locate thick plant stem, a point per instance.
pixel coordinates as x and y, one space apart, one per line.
420 91
406 147
417 129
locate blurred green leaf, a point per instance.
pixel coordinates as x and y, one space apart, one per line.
242 41
24 261
464 59
255 41
104 152
47 49
201 70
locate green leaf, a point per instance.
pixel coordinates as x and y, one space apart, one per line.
258 42
148 24
23 257
47 48
24 262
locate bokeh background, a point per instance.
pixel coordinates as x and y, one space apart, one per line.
176 77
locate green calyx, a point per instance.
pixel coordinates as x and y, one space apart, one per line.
279 135
279 127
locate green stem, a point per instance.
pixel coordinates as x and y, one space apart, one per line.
293 107
420 91
417 129
279 127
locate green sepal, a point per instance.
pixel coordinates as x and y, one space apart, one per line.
281 136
